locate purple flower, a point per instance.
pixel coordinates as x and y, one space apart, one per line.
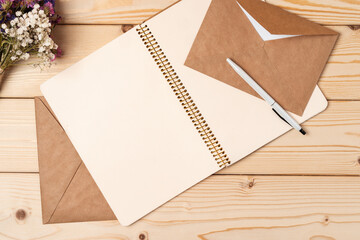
50 1
5 4
9 16
49 8
59 52
55 19
29 3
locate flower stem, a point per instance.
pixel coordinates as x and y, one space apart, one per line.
1 76
4 63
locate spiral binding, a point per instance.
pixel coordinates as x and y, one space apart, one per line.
184 97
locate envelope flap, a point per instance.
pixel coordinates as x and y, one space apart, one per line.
288 76
58 159
42 101
279 21
82 201
291 69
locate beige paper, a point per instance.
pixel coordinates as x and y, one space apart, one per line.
68 192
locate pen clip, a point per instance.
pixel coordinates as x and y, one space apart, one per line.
280 116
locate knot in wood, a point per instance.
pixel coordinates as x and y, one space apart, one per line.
354 27
142 236
326 220
20 214
126 27
251 183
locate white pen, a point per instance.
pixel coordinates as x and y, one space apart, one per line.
275 106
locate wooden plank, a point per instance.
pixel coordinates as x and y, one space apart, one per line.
341 77
76 42
109 11
18 149
332 145
221 207
340 80
330 12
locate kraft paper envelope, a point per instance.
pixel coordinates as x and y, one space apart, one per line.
287 64
68 192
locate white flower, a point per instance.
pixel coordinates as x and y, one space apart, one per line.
31 29
25 56
47 42
20 31
52 56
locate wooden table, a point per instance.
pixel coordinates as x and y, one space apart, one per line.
294 188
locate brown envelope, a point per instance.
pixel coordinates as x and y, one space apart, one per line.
68 192
288 69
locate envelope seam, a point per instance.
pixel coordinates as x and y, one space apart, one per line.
50 111
62 196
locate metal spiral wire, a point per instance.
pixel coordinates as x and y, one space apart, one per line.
183 96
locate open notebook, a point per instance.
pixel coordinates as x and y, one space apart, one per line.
130 109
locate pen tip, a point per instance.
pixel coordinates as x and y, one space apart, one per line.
302 131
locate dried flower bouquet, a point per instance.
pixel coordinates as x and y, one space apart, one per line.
26 27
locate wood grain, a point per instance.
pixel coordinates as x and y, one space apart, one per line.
221 207
331 147
254 206
76 42
340 80
341 77
18 149
330 12
109 11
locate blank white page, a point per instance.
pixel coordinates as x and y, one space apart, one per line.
241 122
129 128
